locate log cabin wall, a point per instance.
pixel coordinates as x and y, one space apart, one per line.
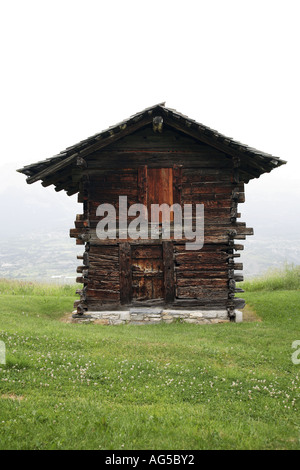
121 273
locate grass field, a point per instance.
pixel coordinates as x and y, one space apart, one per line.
178 386
286 278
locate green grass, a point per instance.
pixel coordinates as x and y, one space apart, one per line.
285 278
35 288
177 386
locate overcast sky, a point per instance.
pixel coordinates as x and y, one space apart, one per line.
73 68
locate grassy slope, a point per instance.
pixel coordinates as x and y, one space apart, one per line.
285 278
176 386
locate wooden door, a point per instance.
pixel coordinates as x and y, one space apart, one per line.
160 188
146 273
147 270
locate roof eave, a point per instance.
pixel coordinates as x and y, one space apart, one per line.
260 161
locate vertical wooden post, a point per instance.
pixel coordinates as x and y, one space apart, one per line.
169 273
177 183
143 187
125 273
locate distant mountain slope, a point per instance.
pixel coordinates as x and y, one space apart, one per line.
43 257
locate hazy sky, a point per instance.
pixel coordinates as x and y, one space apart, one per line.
73 68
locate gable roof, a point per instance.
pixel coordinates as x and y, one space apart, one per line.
57 170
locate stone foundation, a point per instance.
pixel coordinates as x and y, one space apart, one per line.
148 316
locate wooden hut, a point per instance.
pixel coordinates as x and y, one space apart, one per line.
157 156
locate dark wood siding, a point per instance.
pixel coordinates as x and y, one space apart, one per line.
150 168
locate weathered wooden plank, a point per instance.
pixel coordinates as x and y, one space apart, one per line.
198 257
210 219
200 292
110 285
100 257
177 183
105 250
156 159
209 189
193 196
197 271
237 228
125 273
117 178
138 274
210 202
201 275
209 239
97 191
169 274
142 185
98 273
202 283
206 176
102 294
96 305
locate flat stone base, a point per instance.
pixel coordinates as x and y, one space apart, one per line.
148 316
238 316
